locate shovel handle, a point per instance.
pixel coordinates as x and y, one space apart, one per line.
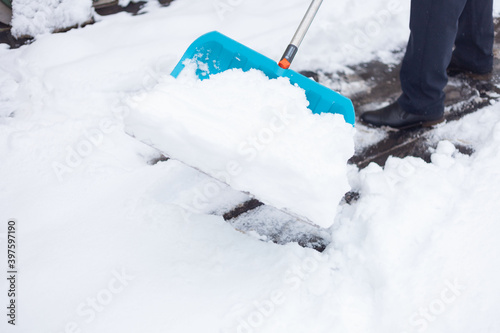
293 47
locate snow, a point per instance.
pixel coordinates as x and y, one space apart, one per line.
31 18
108 242
254 133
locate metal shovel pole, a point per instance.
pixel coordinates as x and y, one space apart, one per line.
293 47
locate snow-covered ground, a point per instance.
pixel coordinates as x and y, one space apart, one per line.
107 242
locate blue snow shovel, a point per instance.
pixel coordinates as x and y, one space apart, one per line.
220 53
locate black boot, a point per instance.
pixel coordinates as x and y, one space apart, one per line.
455 69
394 116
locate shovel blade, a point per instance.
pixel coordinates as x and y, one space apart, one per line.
219 53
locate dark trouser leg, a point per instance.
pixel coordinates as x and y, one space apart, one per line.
474 42
433 25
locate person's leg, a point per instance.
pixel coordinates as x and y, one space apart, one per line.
433 25
474 42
